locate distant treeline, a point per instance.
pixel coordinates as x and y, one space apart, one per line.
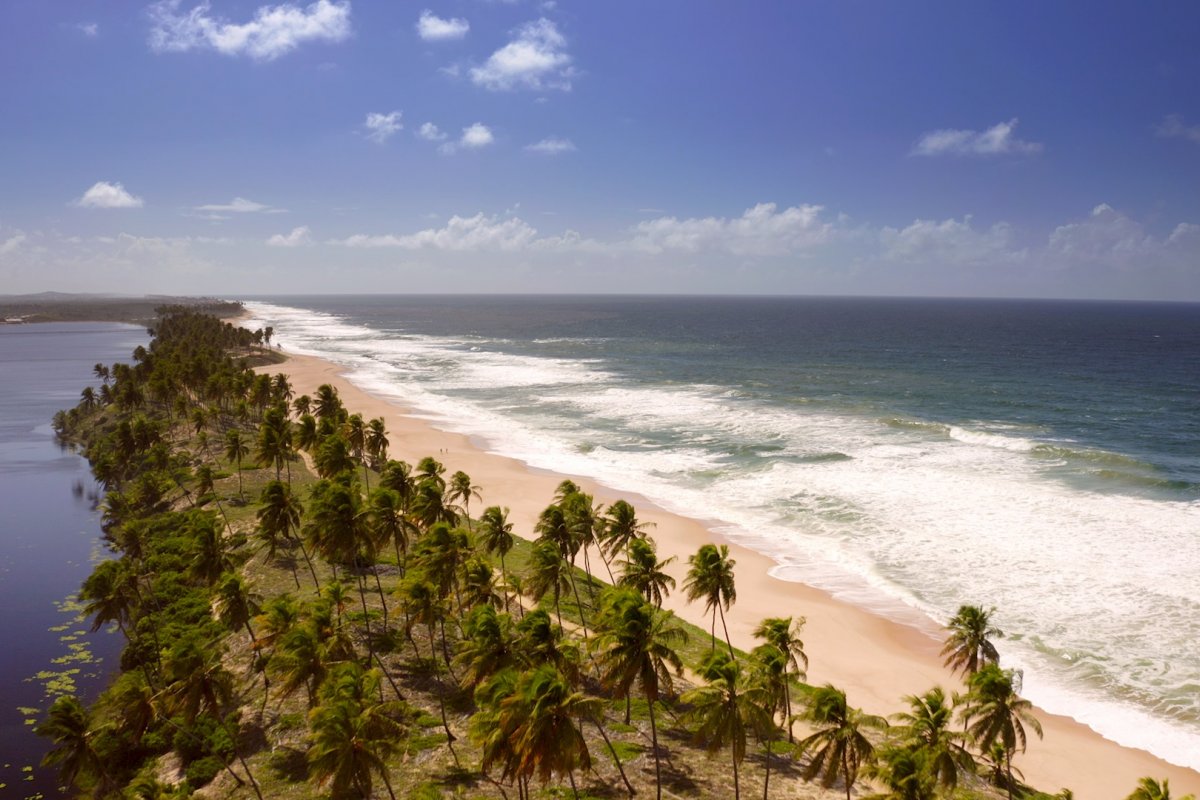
56 307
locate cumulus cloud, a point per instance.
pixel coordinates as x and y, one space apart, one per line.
89 29
11 244
761 230
536 58
473 137
432 28
274 30
381 127
552 146
950 242
479 232
430 132
996 140
298 237
239 205
108 195
1172 127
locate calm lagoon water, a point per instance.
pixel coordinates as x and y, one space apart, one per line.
907 455
49 537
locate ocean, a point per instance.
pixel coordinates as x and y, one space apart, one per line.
907 455
50 529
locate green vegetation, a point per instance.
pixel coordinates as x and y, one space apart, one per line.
306 616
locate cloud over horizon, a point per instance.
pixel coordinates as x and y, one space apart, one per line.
108 195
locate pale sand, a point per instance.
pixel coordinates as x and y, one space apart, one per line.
874 660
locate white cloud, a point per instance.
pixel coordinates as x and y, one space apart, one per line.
274 31
238 205
89 29
949 242
761 230
432 28
996 140
299 236
552 146
473 137
381 127
11 244
1172 127
479 232
430 132
535 59
108 195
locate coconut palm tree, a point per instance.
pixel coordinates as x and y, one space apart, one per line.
770 681
552 526
398 476
710 577
995 714
351 735
74 743
926 729
542 718
462 490
427 605
645 573
338 528
621 526
327 404
548 573
488 645
725 711
1150 789
495 534
279 515
839 747
783 633
635 643
237 448
969 646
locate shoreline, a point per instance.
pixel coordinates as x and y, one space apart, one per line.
874 659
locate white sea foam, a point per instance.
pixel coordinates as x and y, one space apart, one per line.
1097 588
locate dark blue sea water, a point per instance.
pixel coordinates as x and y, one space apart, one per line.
50 532
1042 457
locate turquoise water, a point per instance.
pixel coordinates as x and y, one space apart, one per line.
50 530
1042 457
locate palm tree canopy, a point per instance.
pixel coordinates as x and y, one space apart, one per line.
710 577
969 646
838 747
995 713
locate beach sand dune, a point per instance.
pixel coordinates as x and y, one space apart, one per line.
875 660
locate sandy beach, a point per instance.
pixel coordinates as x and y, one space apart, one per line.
875 660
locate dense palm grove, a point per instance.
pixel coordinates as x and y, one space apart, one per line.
305 615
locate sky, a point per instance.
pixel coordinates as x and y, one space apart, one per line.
230 147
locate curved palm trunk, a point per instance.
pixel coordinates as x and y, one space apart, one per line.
616 757
362 595
504 577
726 628
578 602
654 744
441 694
846 771
767 779
737 790
312 570
382 599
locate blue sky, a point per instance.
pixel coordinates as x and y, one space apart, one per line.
945 149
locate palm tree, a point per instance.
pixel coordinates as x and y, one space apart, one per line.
995 714
969 646
645 573
711 577
279 515
338 530
549 572
724 711
376 443
427 605
352 736
621 526
488 645
461 489
839 747
927 730
635 643
552 526
496 536
541 718
783 633
1150 789
398 476
356 434
74 751
770 681
327 404
236 448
